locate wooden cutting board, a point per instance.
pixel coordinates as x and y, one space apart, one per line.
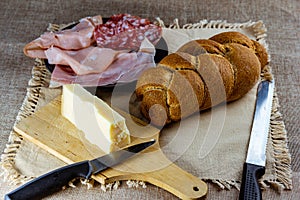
48 129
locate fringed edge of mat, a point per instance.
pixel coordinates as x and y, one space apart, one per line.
278 134
39 79
282 164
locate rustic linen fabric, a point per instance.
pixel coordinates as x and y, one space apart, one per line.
214 151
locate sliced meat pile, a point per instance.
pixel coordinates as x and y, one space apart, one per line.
95 54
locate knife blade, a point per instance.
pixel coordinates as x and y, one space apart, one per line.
55 180
254 167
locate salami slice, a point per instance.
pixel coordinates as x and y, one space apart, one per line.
125 31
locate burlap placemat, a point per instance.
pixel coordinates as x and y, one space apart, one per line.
220 162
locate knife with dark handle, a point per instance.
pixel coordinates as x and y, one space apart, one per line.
250 188
55 180
254 167
51 182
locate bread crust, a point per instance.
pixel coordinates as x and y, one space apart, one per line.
261 53
218 76
233 37
247 69
197 47
154 107
153 79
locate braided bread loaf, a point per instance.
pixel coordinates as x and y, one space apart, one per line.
201 74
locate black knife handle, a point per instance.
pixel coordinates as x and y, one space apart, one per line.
250 189
51 182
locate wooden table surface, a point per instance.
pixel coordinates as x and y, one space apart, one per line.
23 21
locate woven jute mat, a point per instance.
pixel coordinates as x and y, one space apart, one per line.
220 163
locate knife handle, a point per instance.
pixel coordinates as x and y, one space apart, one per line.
250 189
51 182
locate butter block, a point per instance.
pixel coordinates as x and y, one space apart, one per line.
100 124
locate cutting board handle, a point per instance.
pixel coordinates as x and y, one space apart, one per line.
178 182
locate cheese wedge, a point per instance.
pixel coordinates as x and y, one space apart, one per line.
100 124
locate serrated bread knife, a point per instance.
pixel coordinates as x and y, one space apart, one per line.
55 180
254 167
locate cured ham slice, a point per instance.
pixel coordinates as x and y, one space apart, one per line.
144 61
116 66
85 61
78 37
126 68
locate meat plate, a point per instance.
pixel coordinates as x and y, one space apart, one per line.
161 50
